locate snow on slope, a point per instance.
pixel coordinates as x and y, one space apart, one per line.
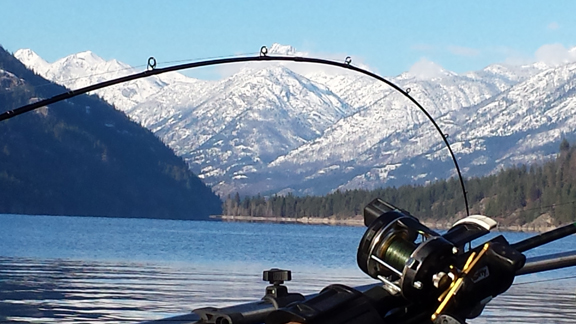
269 129
375 138
86 68
248 119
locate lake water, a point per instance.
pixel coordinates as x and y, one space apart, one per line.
110 270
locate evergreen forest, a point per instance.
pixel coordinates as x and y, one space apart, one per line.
515 195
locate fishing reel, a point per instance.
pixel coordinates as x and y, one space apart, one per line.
433 271
426 277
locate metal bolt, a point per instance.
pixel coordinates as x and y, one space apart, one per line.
417 285
437 277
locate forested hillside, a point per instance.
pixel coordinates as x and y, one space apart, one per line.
83 157
514 196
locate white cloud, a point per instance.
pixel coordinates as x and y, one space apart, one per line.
553 26
463 51
425 69
555 55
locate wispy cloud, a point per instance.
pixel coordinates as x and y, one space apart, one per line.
463 51
553 26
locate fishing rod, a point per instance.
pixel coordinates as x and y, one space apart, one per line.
424 277
263 57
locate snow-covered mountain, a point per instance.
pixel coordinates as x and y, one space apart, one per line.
247 120
276 128
86 68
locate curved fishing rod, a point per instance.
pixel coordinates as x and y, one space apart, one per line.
152 70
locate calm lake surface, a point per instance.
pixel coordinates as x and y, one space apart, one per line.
110 270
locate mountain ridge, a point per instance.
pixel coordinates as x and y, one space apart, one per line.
365 145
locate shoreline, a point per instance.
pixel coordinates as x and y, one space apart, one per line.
358 221
355 221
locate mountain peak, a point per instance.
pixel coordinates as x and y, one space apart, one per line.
29 58
286 50
88 56
86 68
282 49
26 52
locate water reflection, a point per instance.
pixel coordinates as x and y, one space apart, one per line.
551 302
68 291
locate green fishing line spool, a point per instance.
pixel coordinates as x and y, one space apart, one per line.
389 241
398 251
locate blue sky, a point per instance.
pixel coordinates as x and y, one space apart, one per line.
388 36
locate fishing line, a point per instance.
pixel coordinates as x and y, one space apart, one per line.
135 68
543 280
551 206
398 253
207 58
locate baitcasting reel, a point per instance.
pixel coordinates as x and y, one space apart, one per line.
427 268
426 278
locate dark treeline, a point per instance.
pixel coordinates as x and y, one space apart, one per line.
518 194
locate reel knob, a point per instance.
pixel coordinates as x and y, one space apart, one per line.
277 276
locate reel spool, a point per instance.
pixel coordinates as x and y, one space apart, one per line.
408 257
